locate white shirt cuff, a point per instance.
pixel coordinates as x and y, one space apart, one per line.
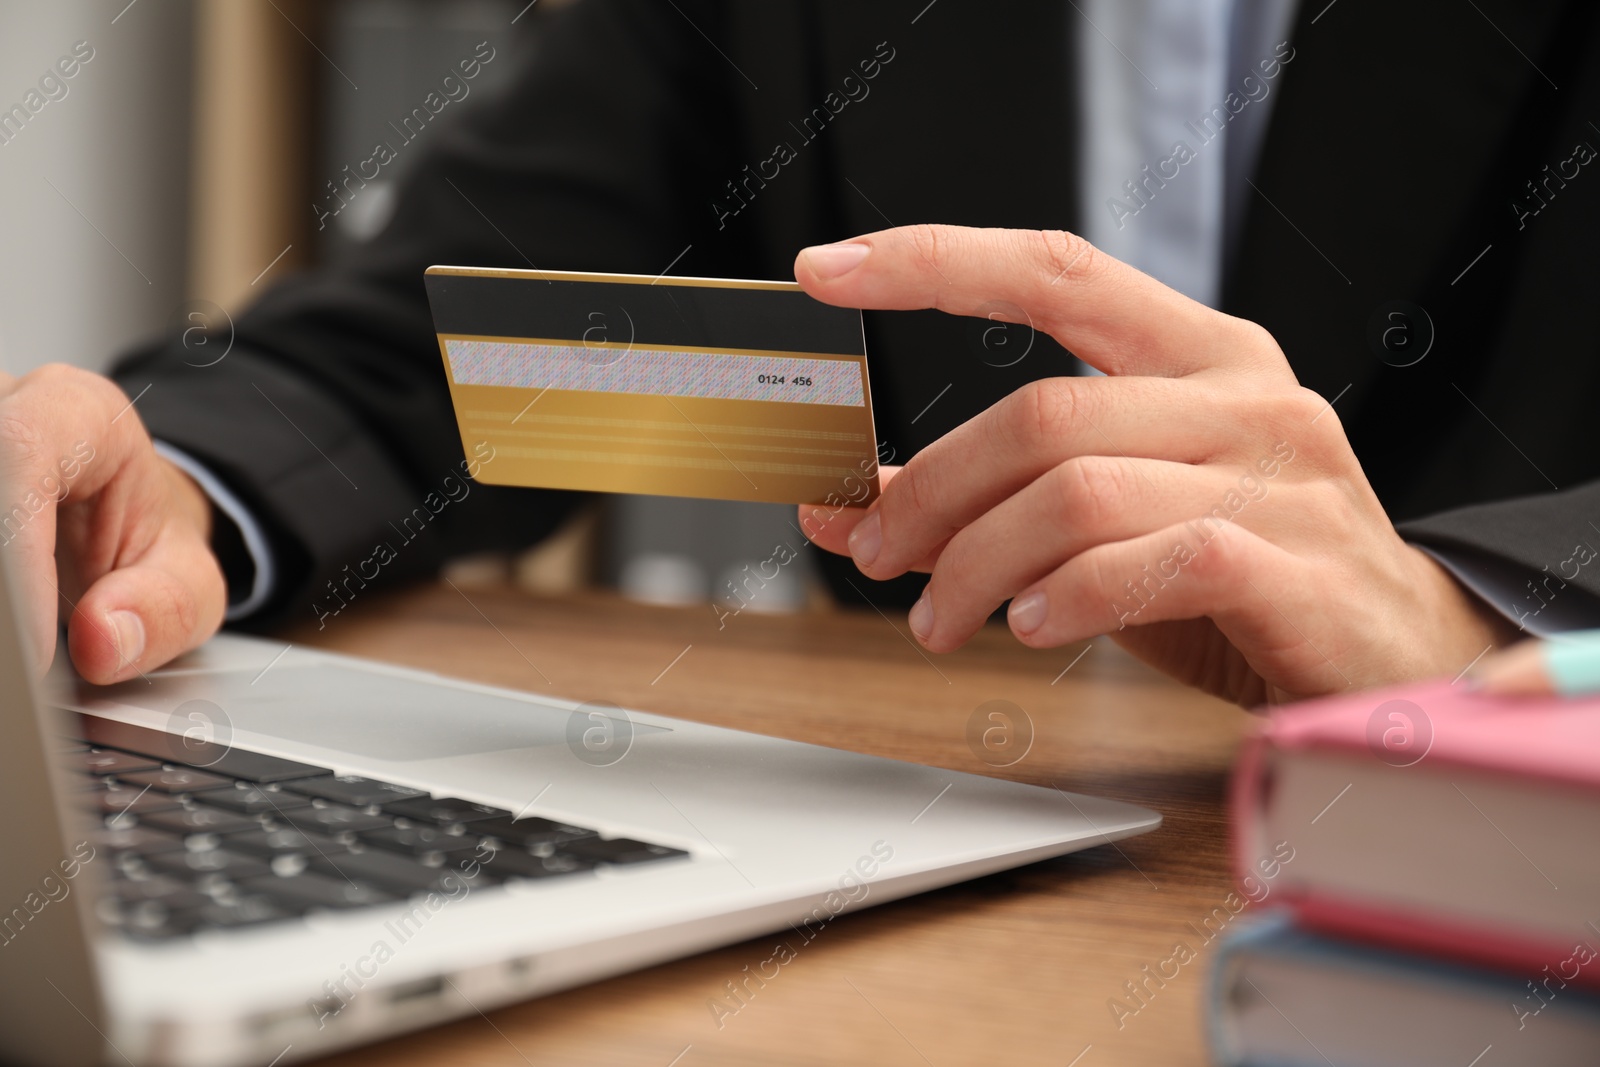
255 540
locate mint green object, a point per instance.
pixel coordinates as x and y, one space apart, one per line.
1573 662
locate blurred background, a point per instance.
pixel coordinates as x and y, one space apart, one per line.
171 177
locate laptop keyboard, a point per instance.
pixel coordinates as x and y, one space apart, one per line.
200 836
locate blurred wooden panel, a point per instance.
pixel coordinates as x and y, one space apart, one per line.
257 73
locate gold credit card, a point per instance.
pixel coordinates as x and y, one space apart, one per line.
622 383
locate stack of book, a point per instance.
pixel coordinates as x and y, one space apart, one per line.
1437 855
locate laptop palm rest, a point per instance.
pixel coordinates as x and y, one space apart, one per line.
368 713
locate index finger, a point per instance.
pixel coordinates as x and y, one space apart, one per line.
1110 315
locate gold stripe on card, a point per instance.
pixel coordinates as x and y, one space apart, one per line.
666 442
652 459
650 424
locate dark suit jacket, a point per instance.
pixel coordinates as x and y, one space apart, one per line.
1396 168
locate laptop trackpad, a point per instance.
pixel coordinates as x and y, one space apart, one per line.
351 709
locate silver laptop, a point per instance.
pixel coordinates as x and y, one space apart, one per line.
261 854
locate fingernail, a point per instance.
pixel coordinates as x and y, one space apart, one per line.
866 540
1028 613
921 618
129 631
830 261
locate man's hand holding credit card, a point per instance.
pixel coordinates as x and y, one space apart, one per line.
698 387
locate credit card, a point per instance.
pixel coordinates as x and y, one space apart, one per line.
622 383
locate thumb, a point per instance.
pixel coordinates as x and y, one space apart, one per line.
829 528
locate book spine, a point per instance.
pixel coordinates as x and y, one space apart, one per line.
1248 803
1388 927
1226 966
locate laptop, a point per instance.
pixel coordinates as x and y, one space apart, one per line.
263 853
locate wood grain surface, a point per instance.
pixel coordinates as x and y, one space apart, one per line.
1018 968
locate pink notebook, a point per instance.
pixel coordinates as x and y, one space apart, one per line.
1433 818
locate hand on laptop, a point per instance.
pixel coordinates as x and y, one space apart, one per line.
101 530
1197 503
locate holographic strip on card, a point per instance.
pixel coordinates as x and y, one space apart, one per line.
656 372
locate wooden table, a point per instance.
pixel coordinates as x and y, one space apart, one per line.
1015 969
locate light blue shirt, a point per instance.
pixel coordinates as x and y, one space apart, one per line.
1174 98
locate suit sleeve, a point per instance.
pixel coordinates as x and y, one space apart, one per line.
1536 559
330 418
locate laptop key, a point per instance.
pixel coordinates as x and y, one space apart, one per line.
157 908
102 761
135 840
528 833
353 790
443 811
245 911
309 889
331 819
418 840
146 920
172 748
199 821
151 921
254 767
274 843
169 891
515 863
620 850
397 874
217 861
250 800
176 780
118 801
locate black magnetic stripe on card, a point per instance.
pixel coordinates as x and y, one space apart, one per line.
660 314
